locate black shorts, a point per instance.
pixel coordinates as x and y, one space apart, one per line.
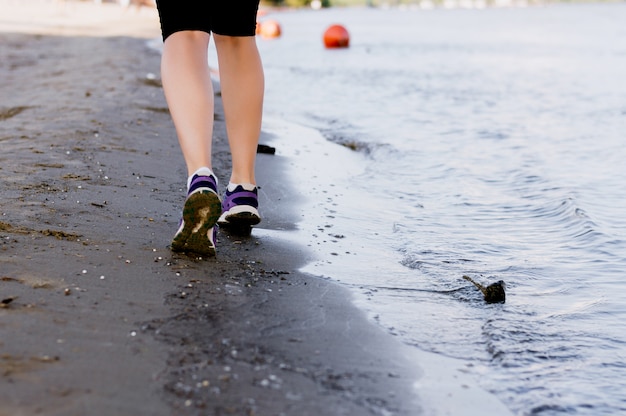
223 17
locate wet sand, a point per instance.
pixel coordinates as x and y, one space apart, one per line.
97 316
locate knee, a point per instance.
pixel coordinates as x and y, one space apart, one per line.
233 42
189 37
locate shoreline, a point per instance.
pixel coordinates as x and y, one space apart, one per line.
104 319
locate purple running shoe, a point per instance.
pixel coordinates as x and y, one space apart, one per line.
202 209
240 209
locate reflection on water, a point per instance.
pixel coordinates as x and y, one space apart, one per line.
492 145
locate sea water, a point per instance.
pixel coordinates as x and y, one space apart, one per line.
482 142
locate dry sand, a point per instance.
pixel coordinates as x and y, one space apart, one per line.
98 316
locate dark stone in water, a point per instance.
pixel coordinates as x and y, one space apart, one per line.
494 293
5 302
268 150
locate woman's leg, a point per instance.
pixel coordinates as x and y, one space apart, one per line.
189 93
242 84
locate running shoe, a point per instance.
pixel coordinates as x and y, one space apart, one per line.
196 233
240 209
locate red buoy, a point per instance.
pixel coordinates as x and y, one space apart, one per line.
270 29
336 36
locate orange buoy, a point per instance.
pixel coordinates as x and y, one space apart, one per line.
336 36
270 29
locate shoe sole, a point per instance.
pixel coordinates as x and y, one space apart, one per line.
200 214
240 216
239 223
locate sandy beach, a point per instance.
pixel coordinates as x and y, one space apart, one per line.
98 317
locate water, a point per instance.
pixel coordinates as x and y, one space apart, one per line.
491 143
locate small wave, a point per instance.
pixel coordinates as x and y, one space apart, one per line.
567 218
577 309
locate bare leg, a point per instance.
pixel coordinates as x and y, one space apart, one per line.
189 93
242 82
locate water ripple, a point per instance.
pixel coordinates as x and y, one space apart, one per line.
499 157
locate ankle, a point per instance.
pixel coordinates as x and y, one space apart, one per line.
246 186
237 178
203 171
